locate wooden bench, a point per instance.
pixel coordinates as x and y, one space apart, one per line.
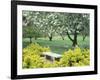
52 56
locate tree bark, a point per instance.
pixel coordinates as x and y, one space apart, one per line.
62 37
69 36
84 37
35 38
75 39
30 39
50 38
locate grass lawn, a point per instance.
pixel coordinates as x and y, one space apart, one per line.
58 45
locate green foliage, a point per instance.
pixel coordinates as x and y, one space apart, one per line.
32 61
35 48
58 45
32 57
31 32
48 64
50 24
76 57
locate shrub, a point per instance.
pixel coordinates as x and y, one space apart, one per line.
33 61
35 49
32 57
47 64
76 57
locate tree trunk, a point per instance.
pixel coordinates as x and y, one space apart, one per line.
84 37
69 36
35 38
75 39
30 39
62 37
50 38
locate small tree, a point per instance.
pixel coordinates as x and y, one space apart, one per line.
49 24
31 25
28 33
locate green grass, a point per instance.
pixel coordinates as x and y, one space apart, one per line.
58 45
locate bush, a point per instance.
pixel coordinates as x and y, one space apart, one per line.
33 61
76 57
32 57
35 49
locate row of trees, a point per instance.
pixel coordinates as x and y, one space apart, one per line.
48 24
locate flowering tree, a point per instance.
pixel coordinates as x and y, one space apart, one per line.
49 24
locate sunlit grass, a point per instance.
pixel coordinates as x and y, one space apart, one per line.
58 45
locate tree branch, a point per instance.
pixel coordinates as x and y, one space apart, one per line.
69 36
